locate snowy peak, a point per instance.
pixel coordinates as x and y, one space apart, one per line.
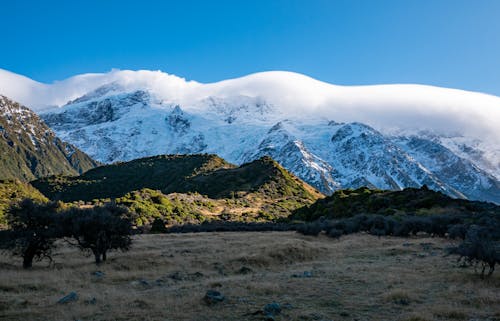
383 107
330 136
99 92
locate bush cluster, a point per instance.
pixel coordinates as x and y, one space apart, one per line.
226 226
410 201
375 224
481 245
34 228
480 233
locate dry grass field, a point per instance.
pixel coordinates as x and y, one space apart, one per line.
165 277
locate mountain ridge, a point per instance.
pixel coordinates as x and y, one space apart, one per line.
29 149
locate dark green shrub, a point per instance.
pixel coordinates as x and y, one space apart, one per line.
99 229
313 228
158 226
34 227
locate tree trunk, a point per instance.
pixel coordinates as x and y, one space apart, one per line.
97 256
27 261
28 256
104 256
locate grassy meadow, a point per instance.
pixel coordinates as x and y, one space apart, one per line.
165 277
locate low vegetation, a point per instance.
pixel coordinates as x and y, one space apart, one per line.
14 191
410 201
187 189
35 227
167 276
167 173
477 224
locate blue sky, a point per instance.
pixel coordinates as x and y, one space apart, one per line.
451 43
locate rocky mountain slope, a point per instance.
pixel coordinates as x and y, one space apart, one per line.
388 136
30 149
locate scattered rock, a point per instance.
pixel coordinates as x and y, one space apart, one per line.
98 274
272 309
141 282
406 244
72 297
344 314
305 274
213 297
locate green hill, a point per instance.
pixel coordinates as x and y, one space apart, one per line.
410 201
167 173
188 188
29 149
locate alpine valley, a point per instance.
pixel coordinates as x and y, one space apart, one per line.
332 137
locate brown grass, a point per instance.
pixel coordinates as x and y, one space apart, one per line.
357 277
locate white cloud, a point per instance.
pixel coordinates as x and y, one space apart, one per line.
414 107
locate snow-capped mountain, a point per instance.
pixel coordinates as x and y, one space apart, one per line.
385 136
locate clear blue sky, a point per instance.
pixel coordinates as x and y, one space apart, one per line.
452 43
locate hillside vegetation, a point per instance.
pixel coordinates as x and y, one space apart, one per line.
12 191
410 201
187 189
29 149
167 173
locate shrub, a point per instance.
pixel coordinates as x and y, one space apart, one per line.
231 226
100 229
313 228
479 246
457 231
158 226
34 228
335 233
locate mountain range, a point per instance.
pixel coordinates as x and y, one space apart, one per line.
332 137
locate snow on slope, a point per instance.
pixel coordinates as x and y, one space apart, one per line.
123 115
384 107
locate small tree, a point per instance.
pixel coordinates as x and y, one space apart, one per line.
34 227
479 246
100 229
